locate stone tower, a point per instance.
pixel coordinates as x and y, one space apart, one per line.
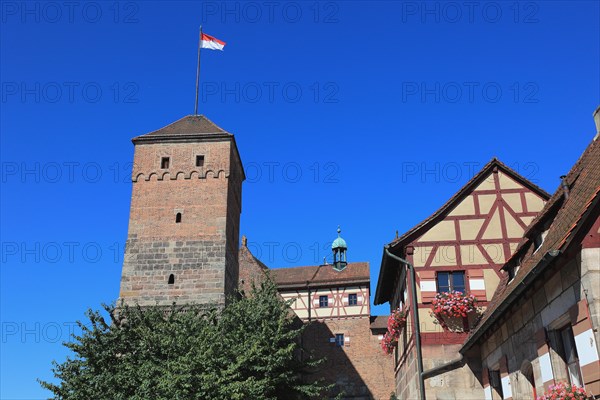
182 243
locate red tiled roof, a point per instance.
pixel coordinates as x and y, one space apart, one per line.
584 183
321 275
385 282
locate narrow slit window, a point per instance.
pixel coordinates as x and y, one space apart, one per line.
199 161
164 162
178 218
171 279
496 383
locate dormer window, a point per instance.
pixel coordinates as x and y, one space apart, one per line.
164 162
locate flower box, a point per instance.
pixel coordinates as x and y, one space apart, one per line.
564 391
455 311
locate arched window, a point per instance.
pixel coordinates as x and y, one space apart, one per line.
178 218
171 279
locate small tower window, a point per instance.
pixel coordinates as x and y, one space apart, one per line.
164 162
171 279
339 339
199 161
178 218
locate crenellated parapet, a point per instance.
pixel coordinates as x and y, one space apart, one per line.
158 175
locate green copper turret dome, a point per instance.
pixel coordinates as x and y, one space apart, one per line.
339 243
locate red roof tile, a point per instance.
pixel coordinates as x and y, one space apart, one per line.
321 275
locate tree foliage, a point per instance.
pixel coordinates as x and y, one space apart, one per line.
248 350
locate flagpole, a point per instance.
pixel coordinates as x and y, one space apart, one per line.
198 71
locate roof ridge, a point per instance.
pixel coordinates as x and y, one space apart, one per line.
189 125
571 177
564 228
446 207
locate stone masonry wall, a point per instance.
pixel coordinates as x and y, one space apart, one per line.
200 251
553 296
359 368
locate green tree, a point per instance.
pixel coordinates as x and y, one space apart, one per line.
248 350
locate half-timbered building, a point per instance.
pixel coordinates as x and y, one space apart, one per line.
333 300
461 248
542 325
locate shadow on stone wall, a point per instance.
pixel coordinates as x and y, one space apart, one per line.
338 369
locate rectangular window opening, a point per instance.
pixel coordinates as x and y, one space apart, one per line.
449 281
199 161
323 301
339 339
496 384
568 352
352 299
164 162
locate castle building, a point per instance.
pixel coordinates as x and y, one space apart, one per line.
182 246
532 262
186 200
334 301
461 247
539 324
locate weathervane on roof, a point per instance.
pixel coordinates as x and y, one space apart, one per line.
339 248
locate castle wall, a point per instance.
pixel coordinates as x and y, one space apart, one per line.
359 368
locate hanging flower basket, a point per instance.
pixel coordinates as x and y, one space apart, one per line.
565 391
396 322
388 343
452 310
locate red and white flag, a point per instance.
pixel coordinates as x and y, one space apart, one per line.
211 42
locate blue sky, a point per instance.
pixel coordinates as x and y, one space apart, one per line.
367 115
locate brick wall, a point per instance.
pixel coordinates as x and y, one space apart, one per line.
251 269
201 250
360 367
